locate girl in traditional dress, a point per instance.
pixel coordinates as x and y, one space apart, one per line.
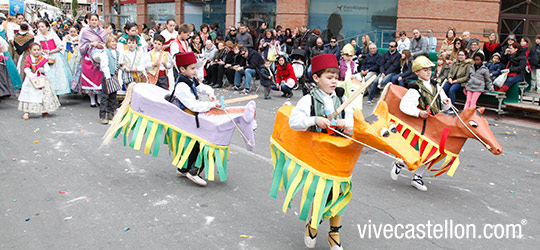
6 87
16 80
31 100
92 40
71 41
22 40
60 74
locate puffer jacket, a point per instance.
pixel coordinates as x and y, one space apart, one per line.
479 79
460 71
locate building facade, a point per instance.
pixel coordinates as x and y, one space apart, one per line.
345 19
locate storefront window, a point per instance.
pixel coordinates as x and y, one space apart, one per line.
129 10
215 12
348 18
256 12
160 13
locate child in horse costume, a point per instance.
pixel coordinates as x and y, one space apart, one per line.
419 102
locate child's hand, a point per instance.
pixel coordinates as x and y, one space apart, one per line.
212 98
446 101
423 114
341 123
218 105
322 122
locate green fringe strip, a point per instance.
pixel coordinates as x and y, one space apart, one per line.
180 143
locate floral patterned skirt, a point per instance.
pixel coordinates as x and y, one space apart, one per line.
48 104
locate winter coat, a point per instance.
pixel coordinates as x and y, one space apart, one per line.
390 63
443 75
266 76
210 53
494 68
254 60
315 51
336 50
406 72
460 71
373 62
479 79
534 56
419 47
516 63
283 74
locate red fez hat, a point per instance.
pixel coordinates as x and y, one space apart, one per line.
183 59
323 61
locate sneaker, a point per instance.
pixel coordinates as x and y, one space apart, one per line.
104 121
418 183
369 102
267 97
380 85
196 179
396 169
245 91
236 88
182 174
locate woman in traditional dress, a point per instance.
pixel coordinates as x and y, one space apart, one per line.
60 74
6 87
16 80
92 40
131 29
22 39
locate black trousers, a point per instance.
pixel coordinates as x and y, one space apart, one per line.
109 104
191 168
212 74
229 73
163 82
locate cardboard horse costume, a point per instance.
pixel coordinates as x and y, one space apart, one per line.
145 113
322 164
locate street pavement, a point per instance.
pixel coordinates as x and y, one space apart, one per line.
60 190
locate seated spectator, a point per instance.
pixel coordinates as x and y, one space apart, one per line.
448 43
318 49
371 66
466 36
506 48
492 46
390 66
213 65
254 61
432 41
403 43
419 45
346 64
333 48
231 36
357 49
494 66
442 69
516 66
405 74
478 81
458 46
236 62
458 75
285 77
475 47
366 41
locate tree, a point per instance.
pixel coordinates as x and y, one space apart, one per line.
74 8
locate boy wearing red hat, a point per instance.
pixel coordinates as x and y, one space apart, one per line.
187 91
310 114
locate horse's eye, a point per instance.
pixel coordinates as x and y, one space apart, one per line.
473 124
393 128
384 132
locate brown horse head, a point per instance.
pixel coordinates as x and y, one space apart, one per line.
473 119
377 131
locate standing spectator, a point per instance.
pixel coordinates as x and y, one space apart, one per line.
333 48
289 40
196 45
448 43
419 45
254 61
231 36
318 49
267 78
243 38
458 46
466 36
432 41
478 81
285 77
12 29
214 33
525 41
261 34
492 46
403 43
371 66
269 46
458 76
515 66
534 60
390 66
205 33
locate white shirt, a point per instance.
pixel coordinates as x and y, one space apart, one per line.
168 35
11 27
148 62
301 118
175 47
138 65
403 45
409 102
183 93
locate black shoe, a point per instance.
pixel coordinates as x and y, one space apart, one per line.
236 88
284 95
93 105
267 97
290 94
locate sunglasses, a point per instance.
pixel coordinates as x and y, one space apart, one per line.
392 46
333 41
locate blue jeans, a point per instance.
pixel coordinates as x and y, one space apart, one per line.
373 87
395 81
510 81
249 73
451 90
284 88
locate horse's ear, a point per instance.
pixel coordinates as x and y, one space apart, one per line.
381 110
359 119
481 110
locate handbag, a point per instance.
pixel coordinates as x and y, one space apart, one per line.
152 79
271 53
39 82
499 81
127 77
111 85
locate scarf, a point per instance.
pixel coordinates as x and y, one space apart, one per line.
89 35
123 39
34 66
491 46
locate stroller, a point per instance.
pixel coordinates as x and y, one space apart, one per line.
298 61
